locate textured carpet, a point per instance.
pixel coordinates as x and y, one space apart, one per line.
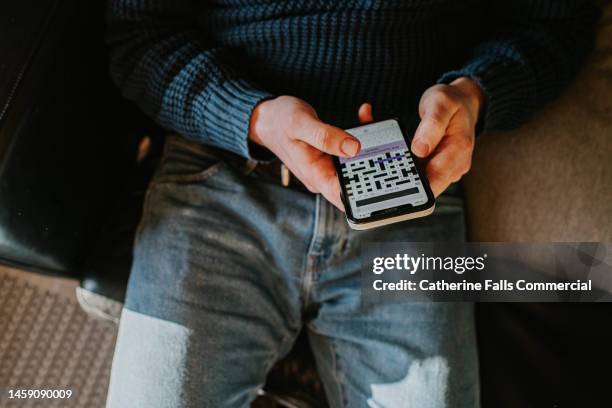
48 342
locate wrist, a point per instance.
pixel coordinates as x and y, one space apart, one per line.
473 93
257 121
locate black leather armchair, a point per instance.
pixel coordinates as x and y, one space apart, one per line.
71 190
50 195
68 146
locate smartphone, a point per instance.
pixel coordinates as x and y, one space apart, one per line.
383 184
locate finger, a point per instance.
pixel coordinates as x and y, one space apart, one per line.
304 180
438 186
330 189
438 179
365 113
436 109
327 138
332 194
324 176
447 166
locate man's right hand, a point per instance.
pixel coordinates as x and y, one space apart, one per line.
291 129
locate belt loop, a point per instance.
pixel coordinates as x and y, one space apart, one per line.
285 175
249 166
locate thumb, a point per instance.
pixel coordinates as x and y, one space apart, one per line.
365 113
435 116
326 138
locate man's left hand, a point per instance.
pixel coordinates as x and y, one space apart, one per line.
446 134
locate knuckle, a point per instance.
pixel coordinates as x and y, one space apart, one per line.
436 170
465 143
435 165
445 100
435 90
430 95
322 137
460 169
437 120
294 120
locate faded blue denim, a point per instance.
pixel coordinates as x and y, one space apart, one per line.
228 268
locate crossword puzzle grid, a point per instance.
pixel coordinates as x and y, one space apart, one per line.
380 174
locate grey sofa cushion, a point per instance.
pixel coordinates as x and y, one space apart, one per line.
551 180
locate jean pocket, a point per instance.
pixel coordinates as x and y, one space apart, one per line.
184 161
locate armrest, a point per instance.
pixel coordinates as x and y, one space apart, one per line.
51 166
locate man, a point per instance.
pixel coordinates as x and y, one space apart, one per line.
229 265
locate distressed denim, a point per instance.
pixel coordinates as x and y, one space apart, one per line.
228 268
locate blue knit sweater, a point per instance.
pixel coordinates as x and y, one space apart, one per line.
200 67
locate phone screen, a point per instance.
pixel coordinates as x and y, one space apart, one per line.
383 175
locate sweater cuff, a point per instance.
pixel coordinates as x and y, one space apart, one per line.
507 90
226 116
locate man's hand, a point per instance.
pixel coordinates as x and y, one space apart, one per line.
447 131
290 128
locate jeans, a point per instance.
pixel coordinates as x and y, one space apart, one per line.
227 270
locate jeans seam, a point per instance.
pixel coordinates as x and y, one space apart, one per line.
310 264
335 371
317 222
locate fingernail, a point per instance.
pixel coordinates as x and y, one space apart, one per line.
350 147
420 148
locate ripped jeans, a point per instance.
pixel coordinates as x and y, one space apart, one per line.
227 270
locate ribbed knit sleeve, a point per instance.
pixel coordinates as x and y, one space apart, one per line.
532 51
161 61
